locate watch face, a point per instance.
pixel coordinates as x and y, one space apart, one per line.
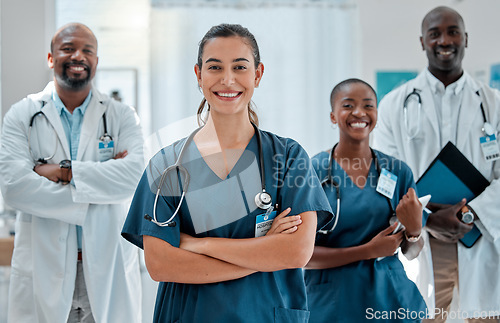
467 217
65 163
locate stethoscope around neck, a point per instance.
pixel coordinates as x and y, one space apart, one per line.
334 183
43 160
263 199
487 128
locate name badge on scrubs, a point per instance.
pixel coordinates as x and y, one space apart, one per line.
264 222
489 147
106 149
386 183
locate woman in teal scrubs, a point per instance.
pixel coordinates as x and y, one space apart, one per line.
215 259
354 275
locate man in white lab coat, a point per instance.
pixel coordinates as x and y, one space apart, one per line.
450 111
71 171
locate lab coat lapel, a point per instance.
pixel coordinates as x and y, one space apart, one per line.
91 121
469 111
54 117
428 108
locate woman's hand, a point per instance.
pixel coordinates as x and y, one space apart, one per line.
284 224
409 213
385 243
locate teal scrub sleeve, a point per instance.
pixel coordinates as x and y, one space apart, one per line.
137 225
301 189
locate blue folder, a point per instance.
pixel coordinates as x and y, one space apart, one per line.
451 177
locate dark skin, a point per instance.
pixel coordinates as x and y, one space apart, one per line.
444 40
355 112
74 53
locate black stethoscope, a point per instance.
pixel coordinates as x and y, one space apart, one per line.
43 160
405 113
487 128
263 199
329 179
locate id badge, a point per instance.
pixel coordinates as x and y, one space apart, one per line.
387 183
263 223
105 150
489 147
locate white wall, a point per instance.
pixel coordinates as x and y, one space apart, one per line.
25 26
299 47
390 31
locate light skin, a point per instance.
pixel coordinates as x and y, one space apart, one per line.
355 113
444 40
74 53
228 67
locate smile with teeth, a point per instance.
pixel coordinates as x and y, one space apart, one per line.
228 95
76 68
445 53
359 124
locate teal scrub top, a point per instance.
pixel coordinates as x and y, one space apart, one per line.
368 289
225 208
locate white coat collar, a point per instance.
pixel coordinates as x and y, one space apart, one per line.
91 119
438 86
421 85
49 109
470 109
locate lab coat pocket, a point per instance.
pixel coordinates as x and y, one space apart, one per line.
287 315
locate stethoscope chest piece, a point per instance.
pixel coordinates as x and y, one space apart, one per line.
488 129
263 200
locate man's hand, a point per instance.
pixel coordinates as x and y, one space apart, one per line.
121 155
443 223
53 172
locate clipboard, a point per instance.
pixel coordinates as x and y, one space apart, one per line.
451 177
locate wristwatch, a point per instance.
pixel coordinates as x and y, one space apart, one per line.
65 166
65 163
466 215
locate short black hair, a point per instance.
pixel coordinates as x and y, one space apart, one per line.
340 86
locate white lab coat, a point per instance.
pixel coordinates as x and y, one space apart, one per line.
45 253
479 269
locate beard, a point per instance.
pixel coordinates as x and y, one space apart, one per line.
73 84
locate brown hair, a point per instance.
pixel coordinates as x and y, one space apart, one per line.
229 30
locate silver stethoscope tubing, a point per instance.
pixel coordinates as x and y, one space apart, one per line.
329 179
487 128
44 160
263 199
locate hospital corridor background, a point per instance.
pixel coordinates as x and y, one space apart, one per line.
147 50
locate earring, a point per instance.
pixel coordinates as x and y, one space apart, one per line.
333 125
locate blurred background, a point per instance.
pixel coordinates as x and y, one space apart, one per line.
148 48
